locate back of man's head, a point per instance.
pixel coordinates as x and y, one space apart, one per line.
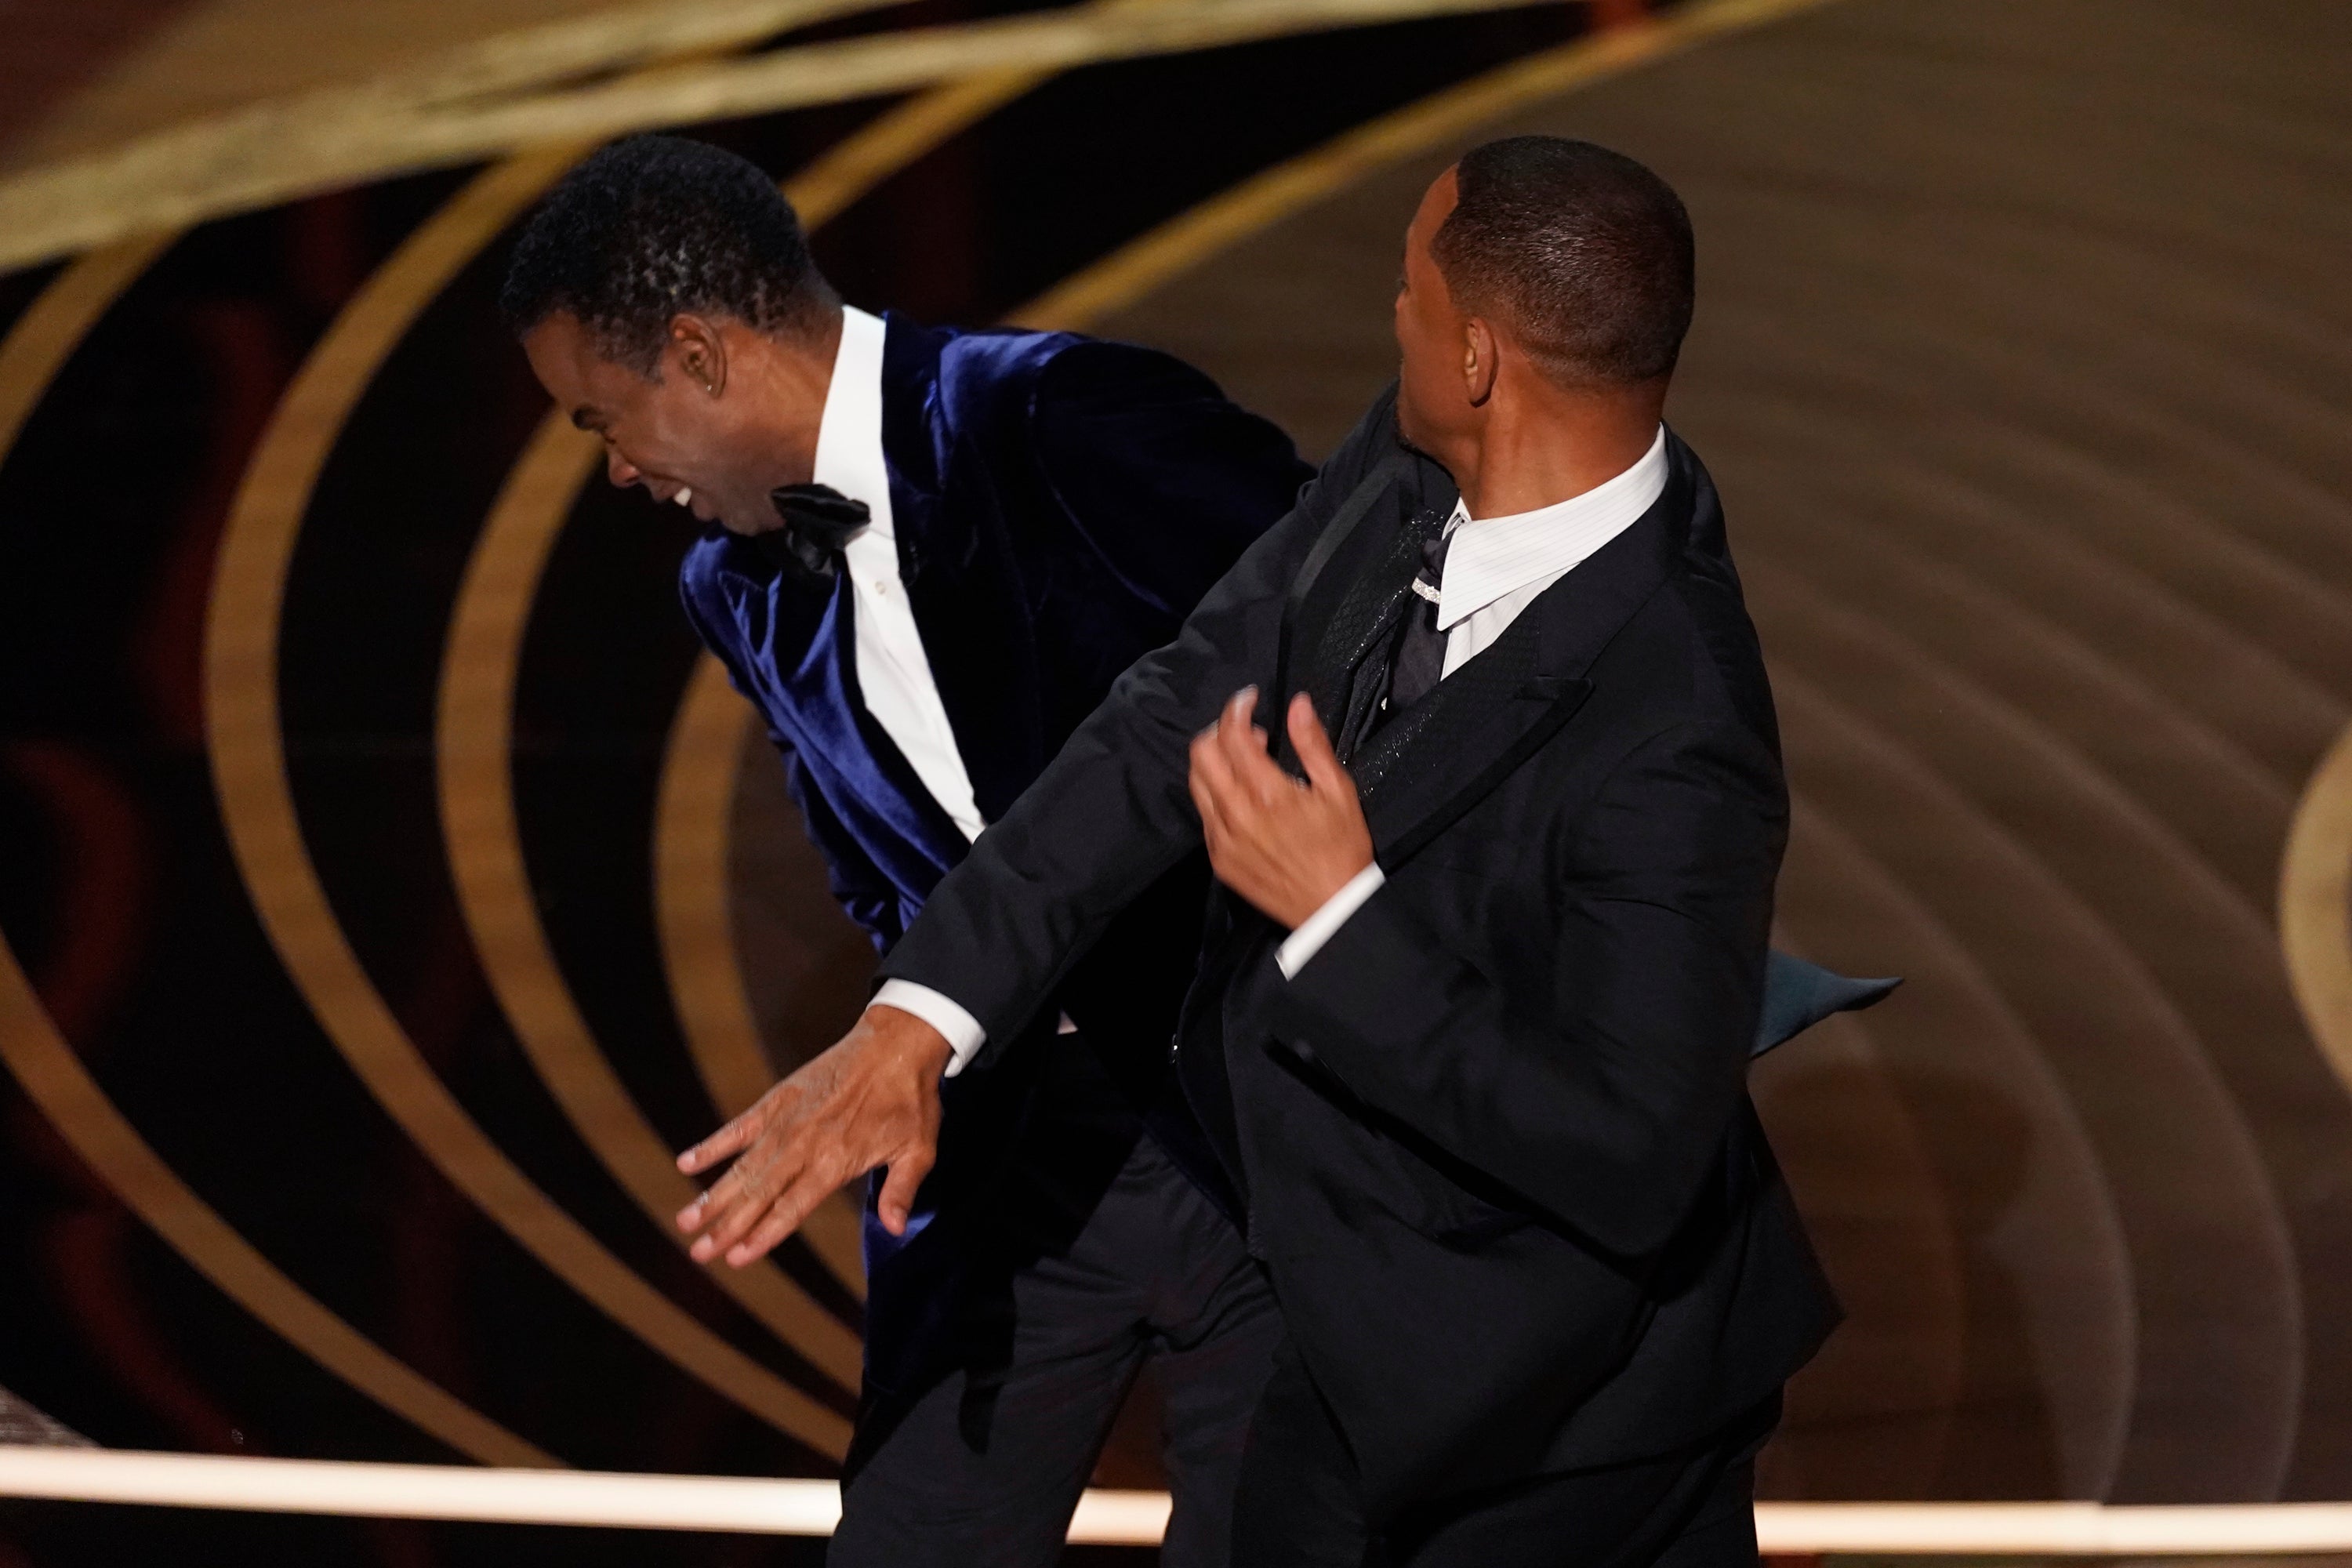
1582 253
655 227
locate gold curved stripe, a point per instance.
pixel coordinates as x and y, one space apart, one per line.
475 767
691 820
1158 257
35 350
248 762
61 208
105 1140
892 141
887 144
2315 908
54 325
249 157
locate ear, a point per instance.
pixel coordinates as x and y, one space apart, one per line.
700 352
1481 360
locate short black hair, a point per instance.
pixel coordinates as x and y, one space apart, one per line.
1582 253
653 226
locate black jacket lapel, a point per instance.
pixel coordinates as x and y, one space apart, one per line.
1344 604
1441 756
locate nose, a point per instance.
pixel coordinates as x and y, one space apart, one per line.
619 470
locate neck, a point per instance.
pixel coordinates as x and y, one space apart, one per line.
1539 445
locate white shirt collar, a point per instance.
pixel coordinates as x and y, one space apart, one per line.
849 432
1492 557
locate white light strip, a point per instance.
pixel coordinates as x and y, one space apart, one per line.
2053 1529
494 1496
1104 1518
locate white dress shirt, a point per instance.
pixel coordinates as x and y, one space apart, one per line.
894 674
1494 568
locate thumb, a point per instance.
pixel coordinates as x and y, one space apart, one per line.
1314 749
896 1201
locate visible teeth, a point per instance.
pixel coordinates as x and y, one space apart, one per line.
684 494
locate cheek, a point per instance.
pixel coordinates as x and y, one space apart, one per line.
1417 372
664 440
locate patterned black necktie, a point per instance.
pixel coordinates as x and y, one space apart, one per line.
819 521
1420 659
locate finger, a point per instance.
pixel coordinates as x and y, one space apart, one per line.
1215 831
1255 769
1212 774
1204 798
1238 708
712 1216
896 1201
731 1224
713 1205
715 1201
1314 748
1252 769
764 1240
738 1200
731 1139
779 1220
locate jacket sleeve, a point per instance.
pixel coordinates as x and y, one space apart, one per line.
1168 480
864 894
1604 1101
1112 811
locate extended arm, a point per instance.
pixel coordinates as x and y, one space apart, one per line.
999 933
863 893
1113 810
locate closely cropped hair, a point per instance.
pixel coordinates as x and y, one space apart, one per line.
1584 254
655 225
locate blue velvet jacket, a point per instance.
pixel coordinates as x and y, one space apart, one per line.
1060 505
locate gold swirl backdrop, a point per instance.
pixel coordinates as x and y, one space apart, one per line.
1897 838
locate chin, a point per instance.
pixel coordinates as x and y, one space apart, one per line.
755 524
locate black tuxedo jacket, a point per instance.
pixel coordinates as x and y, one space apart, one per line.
1495 1138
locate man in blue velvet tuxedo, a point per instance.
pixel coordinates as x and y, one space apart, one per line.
930 554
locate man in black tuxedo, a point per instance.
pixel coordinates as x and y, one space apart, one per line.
1480 987
925 555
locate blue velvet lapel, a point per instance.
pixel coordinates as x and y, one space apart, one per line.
804 649
945 403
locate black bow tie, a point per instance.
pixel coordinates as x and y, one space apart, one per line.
819 520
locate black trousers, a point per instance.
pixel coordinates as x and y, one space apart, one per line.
1157 1273
1299 1504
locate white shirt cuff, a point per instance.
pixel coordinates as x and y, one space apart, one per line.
965 1034
1319 927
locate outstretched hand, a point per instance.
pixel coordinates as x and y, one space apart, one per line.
1286 844
872 1098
